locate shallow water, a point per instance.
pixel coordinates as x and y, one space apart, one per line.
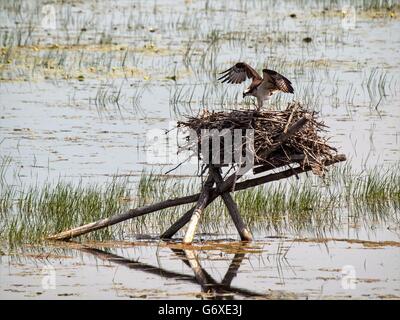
54 126
270 269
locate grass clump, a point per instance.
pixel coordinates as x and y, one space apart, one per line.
30 215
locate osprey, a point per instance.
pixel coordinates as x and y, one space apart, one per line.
261 87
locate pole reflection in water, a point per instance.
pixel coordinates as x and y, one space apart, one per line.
209 286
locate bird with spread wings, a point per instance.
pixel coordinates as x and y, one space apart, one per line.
261 87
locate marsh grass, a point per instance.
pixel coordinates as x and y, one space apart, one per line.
91 44
29 214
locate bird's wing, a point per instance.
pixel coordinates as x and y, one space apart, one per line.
280 82
238 73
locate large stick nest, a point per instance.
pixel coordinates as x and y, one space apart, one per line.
306 147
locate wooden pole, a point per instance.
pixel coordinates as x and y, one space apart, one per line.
278 163
233 210
182 221
244 185
225 186
198 210
284 174
132 213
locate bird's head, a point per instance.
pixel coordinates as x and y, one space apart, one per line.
246 92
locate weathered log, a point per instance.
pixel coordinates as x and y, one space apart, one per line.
132 213
198 210
214 175
180 223
296 158
233 210
284 174
244 185
225 186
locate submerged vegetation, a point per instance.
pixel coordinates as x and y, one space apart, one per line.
30 214
147 42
